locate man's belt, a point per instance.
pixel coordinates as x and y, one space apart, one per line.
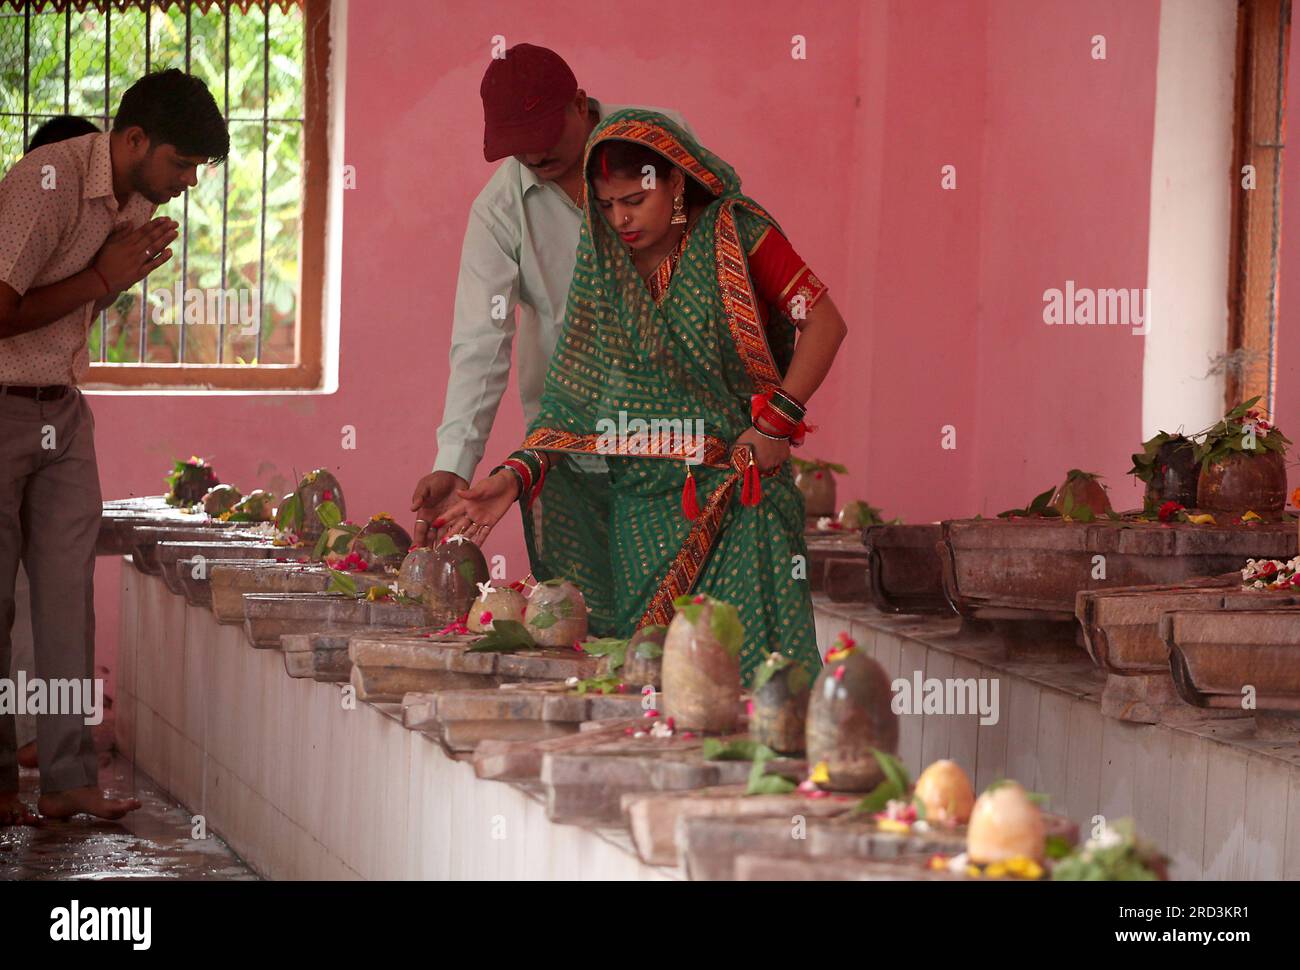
45 392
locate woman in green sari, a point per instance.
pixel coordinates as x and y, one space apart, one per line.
659 462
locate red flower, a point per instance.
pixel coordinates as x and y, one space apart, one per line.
698 599
839 673
1266 569
651 713
328 495
1168 510
485 616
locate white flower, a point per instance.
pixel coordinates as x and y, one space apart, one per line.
457 538
920 826
484 589
639 734
824 522
571 682
958 863
660 729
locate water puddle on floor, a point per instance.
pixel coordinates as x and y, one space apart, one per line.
155 842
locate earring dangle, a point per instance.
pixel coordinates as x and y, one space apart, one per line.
679 211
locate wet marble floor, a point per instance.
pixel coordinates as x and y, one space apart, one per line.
156 842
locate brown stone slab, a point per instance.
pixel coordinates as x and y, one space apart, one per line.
709 846
1038 566
235 546
1216 654
846 580
267 617
828 544
766 868
546 665
144 541
463 737
547 701
231 580
390 684
1121 627
905 571
418 709
521 761
652 816
317 656
298 665
121 517
587 784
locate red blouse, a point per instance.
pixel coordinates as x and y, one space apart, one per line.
781 277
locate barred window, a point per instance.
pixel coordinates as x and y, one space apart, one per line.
249 260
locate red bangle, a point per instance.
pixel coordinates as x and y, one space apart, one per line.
103 279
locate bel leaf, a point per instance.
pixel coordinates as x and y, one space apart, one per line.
380 544
329 514
506 636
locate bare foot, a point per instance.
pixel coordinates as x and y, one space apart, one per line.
13 810
27 756
90 800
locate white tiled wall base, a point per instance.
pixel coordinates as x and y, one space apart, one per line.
302 788
1221 809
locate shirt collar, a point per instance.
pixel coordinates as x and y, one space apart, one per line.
99 172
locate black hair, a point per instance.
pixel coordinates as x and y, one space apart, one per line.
61 129
175 108
629 159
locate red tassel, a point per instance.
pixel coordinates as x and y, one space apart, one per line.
751 492
690 505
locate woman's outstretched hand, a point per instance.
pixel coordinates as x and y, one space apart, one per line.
478 508
768 454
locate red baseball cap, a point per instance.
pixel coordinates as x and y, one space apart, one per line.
524 96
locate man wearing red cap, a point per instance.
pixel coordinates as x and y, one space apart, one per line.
520 249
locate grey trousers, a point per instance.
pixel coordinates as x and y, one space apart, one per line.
50 508
20 638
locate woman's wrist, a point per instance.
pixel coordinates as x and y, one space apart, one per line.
511 473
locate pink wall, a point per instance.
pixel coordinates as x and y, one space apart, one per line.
942 290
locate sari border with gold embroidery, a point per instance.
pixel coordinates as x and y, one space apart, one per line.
554 439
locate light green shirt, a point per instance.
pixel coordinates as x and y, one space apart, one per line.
520 249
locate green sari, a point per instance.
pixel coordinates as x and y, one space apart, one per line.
609 514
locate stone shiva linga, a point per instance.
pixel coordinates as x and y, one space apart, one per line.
444 577
299 512
945 792
496 603
701 665
643 660
556 615
816 482
850 717
779 713
1005 824
189 481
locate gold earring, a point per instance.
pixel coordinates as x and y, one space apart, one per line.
679 211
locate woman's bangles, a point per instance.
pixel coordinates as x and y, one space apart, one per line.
779 415
529 469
